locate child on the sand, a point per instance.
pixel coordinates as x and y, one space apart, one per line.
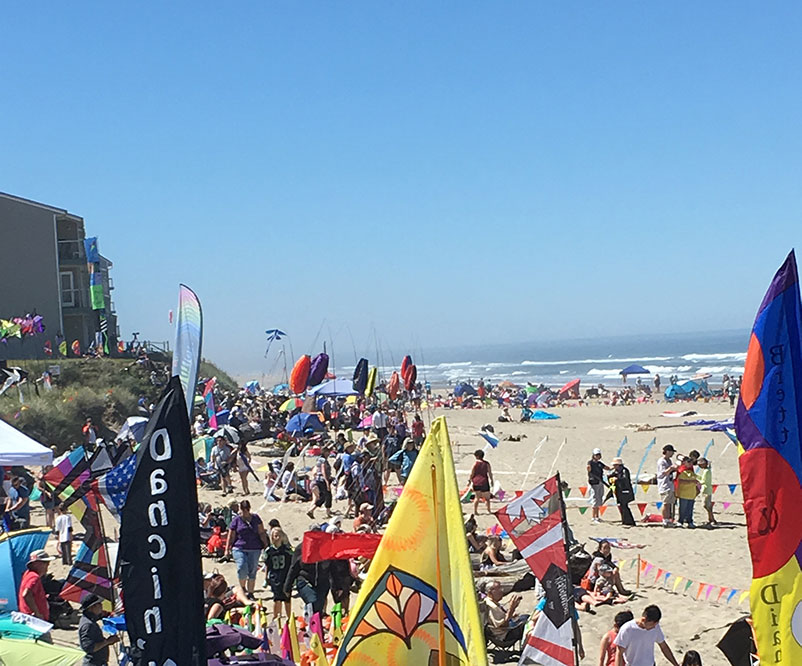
705 477
692 658
608 649
687 488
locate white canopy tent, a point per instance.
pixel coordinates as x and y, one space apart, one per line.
16 448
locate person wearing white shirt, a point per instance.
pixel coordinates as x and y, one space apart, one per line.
379 423
666 472
64 531
636 640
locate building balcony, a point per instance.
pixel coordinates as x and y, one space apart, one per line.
71 253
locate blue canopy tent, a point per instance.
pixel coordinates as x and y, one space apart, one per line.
15 548
335 387
302 422
634 369
686 389
464 389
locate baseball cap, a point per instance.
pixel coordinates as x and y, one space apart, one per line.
596 452
90 600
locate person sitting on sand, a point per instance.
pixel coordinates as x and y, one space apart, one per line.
476 542
605 588
503 624
526 414
492 555
505 416
604 556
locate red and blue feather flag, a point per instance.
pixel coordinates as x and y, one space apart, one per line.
768 420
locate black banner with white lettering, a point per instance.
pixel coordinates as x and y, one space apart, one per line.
159 556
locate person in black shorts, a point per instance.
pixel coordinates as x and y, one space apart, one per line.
596 469
277 558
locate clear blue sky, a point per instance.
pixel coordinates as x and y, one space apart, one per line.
451 171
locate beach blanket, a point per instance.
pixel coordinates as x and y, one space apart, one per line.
619 543
541 415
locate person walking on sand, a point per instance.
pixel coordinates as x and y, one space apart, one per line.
636 640
481 481
666 472
596 469
607 647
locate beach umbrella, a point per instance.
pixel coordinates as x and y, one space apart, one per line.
280 388
300 374
634 369
229 432
360 381
303 422
318 370
365 423
290 403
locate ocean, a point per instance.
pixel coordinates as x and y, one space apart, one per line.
593 361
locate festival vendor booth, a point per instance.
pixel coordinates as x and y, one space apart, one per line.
19 450
633 369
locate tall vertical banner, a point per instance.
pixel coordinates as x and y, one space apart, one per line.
767 425
418 603
535 523
188 338
159 552
208 399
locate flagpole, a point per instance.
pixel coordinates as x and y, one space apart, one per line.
564 524
441 620
108 559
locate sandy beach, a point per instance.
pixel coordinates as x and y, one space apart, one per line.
718 557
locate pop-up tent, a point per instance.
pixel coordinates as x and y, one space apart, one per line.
15 548
634 369
336 387
16 448
570 390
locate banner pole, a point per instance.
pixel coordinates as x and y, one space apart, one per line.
564 525
441 625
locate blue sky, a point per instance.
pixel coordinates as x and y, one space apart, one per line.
446 173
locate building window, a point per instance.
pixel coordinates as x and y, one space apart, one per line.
67 289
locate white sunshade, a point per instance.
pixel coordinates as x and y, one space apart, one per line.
16 448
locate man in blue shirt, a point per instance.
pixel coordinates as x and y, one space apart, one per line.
406 457
18 505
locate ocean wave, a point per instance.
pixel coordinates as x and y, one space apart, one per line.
457 364
737 356
587 361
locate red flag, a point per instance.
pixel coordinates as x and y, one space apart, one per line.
319 546
534 522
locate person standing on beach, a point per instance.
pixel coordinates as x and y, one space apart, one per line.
636 640
666 471
481 480
705 477
596 469
624 493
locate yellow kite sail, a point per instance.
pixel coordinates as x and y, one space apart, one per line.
418 603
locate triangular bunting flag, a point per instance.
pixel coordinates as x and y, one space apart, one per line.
707 594
632 563
567 491
715 487
667 576
643 565
732 487
659 574
743 596
621 564
688 585
641 507
518 493
677 581
721 591
602 509
582 509
699 591
645 487
583 490
731 595
648 568
659 505
726 505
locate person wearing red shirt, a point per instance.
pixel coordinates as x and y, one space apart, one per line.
32 598
417 431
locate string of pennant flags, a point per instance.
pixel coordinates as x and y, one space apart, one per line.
650 574
642 506
646 486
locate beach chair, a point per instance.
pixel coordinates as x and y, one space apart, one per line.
508 648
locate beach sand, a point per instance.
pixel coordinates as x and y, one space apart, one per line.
718 557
